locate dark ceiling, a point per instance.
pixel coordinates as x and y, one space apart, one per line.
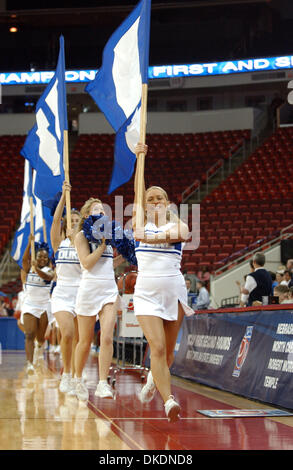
181 31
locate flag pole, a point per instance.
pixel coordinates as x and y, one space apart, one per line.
66 172
141 159
33 254
44 226
44 231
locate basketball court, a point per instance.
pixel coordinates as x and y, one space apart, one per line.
36 416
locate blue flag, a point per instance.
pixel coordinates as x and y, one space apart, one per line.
21 236
44 144
117 87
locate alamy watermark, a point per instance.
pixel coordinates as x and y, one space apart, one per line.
123 216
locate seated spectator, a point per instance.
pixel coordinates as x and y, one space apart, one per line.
203 274
258 284
286 278
3 308
283 292
289 266
274 281
191 294
203 298
291 293
279 276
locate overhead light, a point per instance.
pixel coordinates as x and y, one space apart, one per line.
13 29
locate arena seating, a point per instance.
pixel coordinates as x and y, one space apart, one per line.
174 161
251 206
11 167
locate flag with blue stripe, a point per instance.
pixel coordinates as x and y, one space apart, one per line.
44 144
117 87
21 236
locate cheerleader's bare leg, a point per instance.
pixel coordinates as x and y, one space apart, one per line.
153 328
30 327
74 343
86 334
107 318
171 332
66 324
42 327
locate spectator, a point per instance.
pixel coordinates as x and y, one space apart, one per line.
191 294
274 281
203 298
289 266
286 278
279 277
258 285
291 293
3 309
203 274
283 292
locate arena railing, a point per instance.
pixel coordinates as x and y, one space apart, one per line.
246 253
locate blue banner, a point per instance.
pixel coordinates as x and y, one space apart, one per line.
249 353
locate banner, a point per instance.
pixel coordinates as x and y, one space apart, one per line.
249 353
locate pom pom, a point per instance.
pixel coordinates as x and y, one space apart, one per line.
124 242
96 227
42 246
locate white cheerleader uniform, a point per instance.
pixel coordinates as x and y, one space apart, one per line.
160 284
98 286
37 294
68 271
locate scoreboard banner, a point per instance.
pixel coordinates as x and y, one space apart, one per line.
43 77
249 353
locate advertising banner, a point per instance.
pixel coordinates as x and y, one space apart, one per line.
248 353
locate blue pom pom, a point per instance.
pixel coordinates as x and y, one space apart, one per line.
124 242
96 227
41 246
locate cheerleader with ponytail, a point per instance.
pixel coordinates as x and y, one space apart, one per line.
68 271
97 298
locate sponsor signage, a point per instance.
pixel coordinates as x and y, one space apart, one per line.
249 353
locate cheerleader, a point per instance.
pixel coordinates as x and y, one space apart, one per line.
160 296
63 298
97 298
39 275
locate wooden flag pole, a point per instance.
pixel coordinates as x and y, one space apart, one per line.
33 254
141 159
45 231
66 171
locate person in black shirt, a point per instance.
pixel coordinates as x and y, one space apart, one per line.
258 285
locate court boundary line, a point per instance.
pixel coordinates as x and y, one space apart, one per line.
97 411
117 428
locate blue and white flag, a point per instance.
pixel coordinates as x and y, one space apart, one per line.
21 236
45 141
117 87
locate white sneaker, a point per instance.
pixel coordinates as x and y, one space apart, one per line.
172 409
81 390
72 391
38 354
148 391
30 368
65 384
103 390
